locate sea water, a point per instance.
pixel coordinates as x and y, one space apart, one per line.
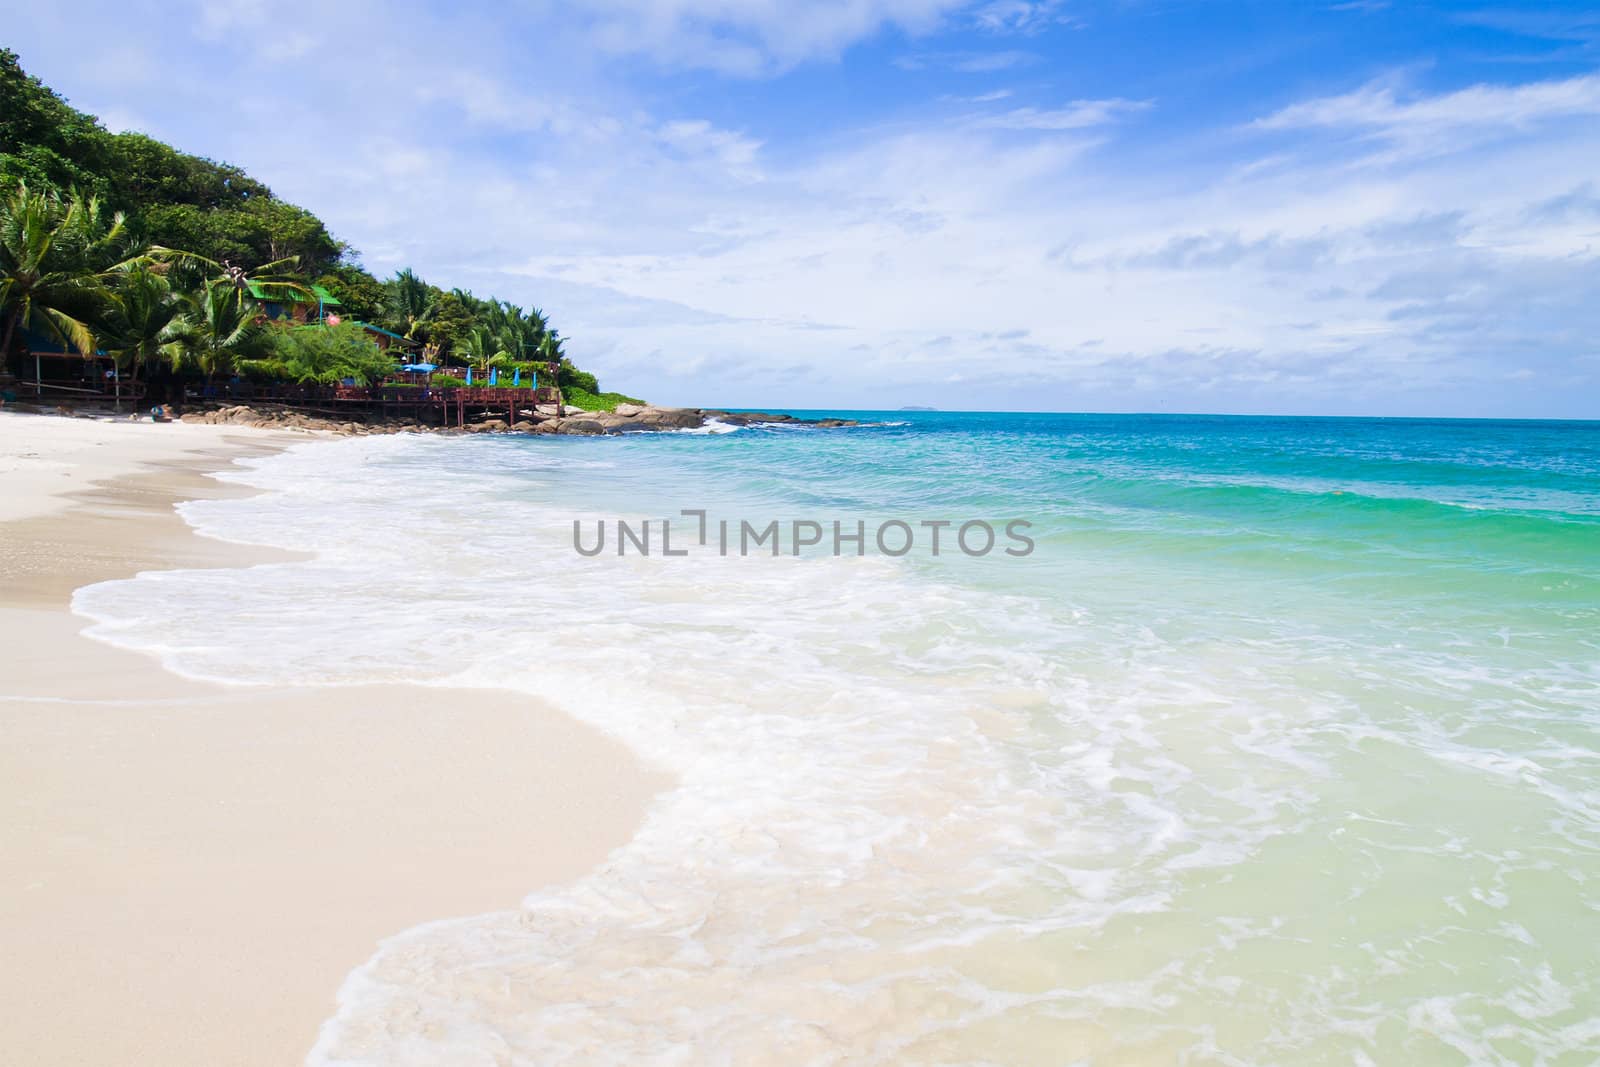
1281 746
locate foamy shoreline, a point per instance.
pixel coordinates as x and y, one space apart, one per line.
193 869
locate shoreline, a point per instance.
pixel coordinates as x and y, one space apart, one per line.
541 419
194 869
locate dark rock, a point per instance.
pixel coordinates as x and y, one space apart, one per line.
585 427
670 419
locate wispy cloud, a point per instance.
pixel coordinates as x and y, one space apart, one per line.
992 97
698 138
1022 16
1080 114
1443 121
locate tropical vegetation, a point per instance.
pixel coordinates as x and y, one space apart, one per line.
175 266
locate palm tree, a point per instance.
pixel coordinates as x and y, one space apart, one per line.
549 350
409 302
54 253
275 281
216 327
483 348
148 323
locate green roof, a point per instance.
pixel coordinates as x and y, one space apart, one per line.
318 293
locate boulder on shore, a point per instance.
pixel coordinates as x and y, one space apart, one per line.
586 427
671 418
628 411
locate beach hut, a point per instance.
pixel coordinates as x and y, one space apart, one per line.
311 310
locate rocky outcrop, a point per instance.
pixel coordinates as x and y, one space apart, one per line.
281 418
543 419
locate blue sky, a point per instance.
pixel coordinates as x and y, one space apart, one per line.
1342 208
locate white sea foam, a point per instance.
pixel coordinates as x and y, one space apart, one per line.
710 426
917 820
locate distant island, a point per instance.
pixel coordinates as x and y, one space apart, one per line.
914 407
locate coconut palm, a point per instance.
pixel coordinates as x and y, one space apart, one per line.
147 324
249 288
484 347
216 328
54 252
549 350
409 303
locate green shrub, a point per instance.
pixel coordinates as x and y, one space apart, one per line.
578 380
321 355
582 398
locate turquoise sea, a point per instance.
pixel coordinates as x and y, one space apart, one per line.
1281 747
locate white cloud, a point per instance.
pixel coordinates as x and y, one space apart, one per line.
699 138
1445 121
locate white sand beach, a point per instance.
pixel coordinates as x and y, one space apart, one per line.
190 870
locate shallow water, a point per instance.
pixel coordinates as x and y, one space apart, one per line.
1281 746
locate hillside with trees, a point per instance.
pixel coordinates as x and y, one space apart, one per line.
174 265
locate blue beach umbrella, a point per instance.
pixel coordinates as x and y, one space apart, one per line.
469 375
494 376
516 377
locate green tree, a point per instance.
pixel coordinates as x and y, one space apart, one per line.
551 356
481 347
147 324
54 253
410 304
457 314
361 296
218 328
261 232
44 141
142 172
321 355
274 281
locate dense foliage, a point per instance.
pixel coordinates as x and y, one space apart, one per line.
118 242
